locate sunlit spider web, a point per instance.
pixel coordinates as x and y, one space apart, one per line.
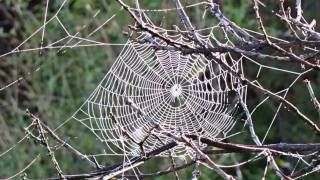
182 93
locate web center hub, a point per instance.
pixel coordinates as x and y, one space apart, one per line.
176 90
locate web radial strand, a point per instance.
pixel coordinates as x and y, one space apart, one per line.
183 93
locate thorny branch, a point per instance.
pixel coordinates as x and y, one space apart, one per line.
53 135
44 140
313 96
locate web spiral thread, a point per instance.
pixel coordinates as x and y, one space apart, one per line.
186 94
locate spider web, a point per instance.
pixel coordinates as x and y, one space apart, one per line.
146 87
183 93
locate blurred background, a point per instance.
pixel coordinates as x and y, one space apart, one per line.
67 77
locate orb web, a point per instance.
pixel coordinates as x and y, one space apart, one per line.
186 94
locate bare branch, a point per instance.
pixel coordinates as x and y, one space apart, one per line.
313 96
299 10
62 142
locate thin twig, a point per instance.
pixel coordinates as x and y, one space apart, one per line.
45 142
64 143
313 96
